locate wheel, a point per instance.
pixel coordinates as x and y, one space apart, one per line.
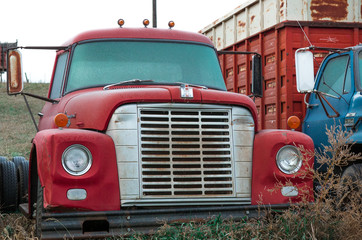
39 210
23 178
18 161
2 159
9 186
351 185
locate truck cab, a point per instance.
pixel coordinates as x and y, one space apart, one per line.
138 129
335 96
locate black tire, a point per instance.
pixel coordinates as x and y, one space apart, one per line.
39 210
351 185
2 159
18 160
9 186
23 178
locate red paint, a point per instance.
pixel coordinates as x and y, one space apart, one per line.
100 182
266 174
95 114
139 33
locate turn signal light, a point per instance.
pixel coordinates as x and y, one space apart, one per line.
146 22
293 122
61 120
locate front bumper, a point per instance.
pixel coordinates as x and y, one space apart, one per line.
98 224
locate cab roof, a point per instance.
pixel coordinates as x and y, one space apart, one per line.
139 33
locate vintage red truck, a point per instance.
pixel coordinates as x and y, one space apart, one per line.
138 129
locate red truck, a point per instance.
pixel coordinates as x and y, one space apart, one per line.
138 129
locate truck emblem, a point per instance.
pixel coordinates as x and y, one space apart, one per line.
187 92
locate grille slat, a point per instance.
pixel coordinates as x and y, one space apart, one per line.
185 152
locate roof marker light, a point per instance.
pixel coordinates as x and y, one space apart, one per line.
146 22
120 22
171 24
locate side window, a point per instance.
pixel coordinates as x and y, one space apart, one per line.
59 76
336 77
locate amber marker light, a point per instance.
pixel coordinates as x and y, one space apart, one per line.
120 22
61 120
293 122
146 22
171 24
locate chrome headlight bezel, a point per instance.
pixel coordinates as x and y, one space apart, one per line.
87 157
289 159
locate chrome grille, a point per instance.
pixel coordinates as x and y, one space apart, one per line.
185 152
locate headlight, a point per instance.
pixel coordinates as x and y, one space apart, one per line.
77 160
289 159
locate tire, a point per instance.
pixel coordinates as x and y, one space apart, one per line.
18 160
351 185
9 186
39 210
2 159
23 178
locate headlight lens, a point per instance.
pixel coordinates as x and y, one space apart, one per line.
77 160
289 159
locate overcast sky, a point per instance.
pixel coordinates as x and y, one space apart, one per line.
51 23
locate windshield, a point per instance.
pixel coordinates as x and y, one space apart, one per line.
336 76
106 62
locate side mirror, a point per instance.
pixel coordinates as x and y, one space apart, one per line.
304 70
257 80
14 72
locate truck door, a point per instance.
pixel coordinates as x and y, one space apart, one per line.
334 82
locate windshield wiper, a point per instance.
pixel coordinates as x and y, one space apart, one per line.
127 82
192 85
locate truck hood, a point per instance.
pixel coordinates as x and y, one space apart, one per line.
93 108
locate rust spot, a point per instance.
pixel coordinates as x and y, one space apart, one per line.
211 38
281 4
218 42
241 23
281 13
252 18
329 9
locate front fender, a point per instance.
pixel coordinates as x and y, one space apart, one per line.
266 174
100 182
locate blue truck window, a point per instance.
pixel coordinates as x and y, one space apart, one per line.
58 76
336 77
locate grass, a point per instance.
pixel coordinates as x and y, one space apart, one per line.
330 217
17 128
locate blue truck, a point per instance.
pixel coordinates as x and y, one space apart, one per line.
333 98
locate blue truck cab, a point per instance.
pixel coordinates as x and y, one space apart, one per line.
333 97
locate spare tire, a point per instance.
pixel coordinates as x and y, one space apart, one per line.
17 160
2 159
9 190
23 178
